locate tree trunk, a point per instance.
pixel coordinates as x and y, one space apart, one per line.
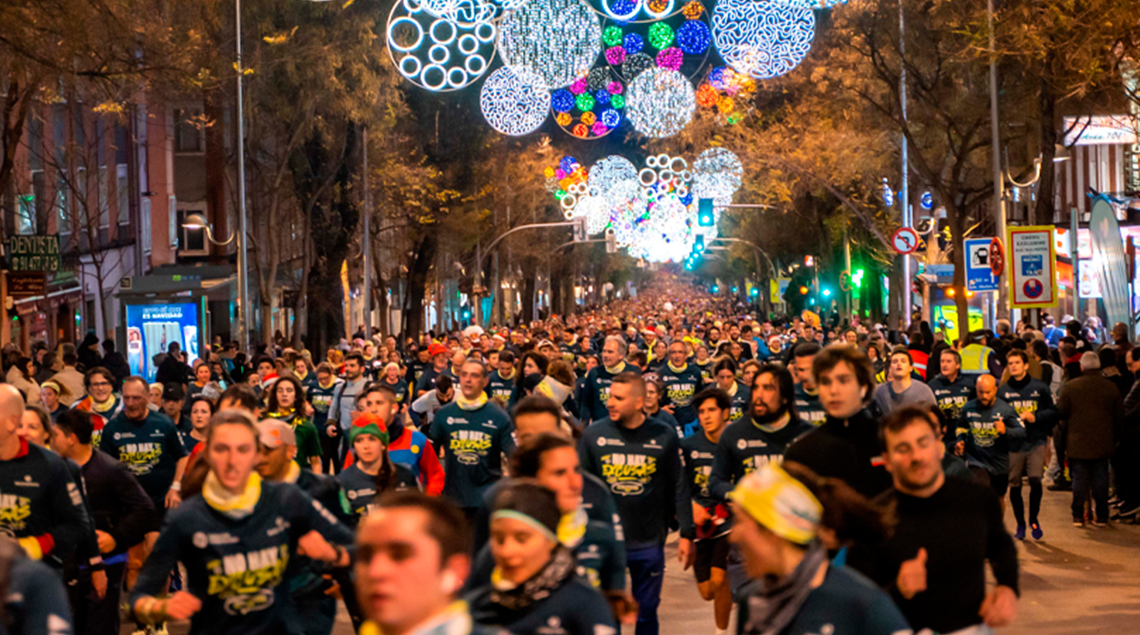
413 317
1047 102
528 297
958 248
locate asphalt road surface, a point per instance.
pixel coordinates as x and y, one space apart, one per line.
1073 581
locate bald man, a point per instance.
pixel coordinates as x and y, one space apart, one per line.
985 427
40 504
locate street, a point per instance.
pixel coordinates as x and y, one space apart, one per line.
1074 582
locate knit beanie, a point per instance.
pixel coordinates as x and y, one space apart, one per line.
368 424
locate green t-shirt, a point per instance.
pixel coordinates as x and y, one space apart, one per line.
308 442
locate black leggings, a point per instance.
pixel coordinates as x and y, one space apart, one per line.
1018 505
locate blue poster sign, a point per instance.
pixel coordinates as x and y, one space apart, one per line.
979 272
151 328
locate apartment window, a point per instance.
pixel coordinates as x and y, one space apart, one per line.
104 205
172 222
63 204
26 215
144 222
193 241
123 191
187 134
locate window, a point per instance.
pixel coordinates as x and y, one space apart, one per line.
123 191
187 134
104 205
172 223
63 204
193 241
144 223
26 215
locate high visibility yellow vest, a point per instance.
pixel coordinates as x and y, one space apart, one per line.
976 359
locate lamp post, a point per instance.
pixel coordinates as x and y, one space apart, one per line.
198 221
243 263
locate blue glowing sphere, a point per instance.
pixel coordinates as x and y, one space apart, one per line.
567 164
611 118
694 37
562 100
602 96
633 43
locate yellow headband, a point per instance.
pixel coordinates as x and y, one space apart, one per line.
780 503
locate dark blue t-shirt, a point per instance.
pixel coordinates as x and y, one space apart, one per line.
149 447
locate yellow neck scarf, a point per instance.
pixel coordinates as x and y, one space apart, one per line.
236 506
472 404
616 369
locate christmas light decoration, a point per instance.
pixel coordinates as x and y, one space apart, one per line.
660 35
762 39
515 100
671 58
694 37
717 174
634 65
559 39
661 102
434 53
579 109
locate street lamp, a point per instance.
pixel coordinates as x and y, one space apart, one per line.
198 221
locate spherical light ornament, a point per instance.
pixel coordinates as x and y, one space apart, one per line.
612 36
515 100
717 174
466 12
634 65
762 39
694 37
660 102
560 39
671 58
561 100
435 53
596 213
609 172
632 43
661 36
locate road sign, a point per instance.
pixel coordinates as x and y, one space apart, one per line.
1033 268
979 265
33 253
997 257
905 240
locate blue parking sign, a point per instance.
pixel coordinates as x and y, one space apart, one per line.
1032 265
979 270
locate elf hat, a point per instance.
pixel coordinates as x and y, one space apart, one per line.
368 424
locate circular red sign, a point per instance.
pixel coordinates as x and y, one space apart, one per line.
905 240
997 257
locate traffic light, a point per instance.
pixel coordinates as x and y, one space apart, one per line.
698 243
809 261
754 292
803 290
826 292
705 217
736 290
857 278
715 289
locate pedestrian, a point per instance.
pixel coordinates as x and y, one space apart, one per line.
638 458
416 593
705 547
1033 402
947 529
902 390
808 406
473 435
596 388
724 373
846 445
986 430
536 587
951 389
42 508
287 403
682 382
121 514
343 405
372 471
235 541
795 590
112 361
149 445
1091 413
70 378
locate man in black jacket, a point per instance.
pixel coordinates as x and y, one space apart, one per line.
173 369
122 515
846 445
1091 412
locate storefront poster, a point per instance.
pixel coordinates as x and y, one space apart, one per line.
151 328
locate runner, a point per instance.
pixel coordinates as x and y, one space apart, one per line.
682 381
1033 402
808 405
709 556
984 434
236 541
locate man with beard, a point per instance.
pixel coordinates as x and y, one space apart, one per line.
933 565
749 445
